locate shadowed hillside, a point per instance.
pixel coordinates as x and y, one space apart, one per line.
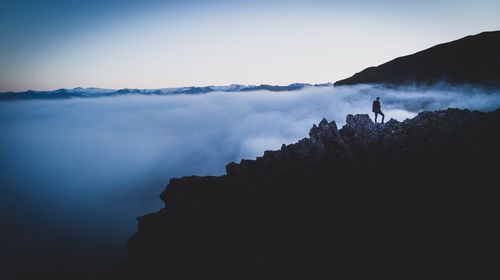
470 60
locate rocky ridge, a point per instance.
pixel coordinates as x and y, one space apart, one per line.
407 194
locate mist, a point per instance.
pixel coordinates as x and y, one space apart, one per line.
75 173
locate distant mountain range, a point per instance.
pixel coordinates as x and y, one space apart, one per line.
100 92
471 60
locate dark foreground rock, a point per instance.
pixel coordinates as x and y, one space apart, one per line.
412 196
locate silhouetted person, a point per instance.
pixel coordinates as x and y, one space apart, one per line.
376 109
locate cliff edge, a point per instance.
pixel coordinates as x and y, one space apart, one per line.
412 195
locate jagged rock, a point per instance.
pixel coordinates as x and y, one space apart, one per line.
418 191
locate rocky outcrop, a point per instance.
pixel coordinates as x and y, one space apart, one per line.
417 194
469 60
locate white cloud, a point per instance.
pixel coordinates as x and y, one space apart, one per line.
97 163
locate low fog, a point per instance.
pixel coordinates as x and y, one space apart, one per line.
75 173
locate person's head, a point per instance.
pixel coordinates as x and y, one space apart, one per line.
378 98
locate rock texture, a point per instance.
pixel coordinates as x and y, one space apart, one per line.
414 195
470 60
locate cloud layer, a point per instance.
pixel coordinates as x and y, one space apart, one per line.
79 171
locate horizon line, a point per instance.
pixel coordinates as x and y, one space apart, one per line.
174 87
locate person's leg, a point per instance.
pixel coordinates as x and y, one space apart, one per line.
376 117
383 116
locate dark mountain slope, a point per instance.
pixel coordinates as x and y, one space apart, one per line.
417 196
472 59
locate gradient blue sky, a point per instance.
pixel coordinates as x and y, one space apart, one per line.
152 44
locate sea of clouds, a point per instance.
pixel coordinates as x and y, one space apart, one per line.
76 172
